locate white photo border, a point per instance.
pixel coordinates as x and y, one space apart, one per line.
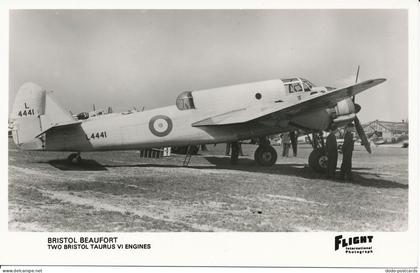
265 249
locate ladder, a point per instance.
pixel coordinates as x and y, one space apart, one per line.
187 158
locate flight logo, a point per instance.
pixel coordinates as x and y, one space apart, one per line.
354 244
160 125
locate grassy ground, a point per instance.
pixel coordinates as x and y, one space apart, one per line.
118 191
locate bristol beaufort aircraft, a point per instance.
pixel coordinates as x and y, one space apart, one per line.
219 115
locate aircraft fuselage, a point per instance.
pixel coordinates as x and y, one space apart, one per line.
170 126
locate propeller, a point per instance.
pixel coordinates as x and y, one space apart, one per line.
362 134
357 124
357 77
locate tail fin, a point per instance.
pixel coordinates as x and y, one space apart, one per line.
34 111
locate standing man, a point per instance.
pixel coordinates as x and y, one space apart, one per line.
332 154
229 147
235 152
204 148
285 140
348 146
293 140
227 152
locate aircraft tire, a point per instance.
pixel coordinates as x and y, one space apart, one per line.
318 160
265 155
74 158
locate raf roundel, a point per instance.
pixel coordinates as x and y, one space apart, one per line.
160 125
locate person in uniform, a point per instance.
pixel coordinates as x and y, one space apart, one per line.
285 139
293 139
230 147
348 146
204 148
236 149
227 152
332 154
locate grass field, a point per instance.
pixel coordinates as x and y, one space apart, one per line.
119 191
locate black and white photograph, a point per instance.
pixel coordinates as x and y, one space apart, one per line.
208 120
180 123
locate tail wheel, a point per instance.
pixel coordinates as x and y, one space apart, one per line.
265 155
74 158
318 160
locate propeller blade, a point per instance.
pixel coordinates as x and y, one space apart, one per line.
357 73
362 135
357 77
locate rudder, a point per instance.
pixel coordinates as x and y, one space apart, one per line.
33 112
29 105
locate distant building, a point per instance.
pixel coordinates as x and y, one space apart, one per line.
387 130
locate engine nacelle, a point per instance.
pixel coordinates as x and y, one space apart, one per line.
343 113
343 108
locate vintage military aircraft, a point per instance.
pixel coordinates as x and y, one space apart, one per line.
218 115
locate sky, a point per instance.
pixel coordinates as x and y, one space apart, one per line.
145 58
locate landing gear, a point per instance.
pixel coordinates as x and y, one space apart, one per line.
74 158
318 159
265 155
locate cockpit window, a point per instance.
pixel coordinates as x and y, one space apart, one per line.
307 85
286 81
185 101
294 85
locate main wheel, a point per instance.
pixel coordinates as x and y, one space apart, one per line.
265 155
318 160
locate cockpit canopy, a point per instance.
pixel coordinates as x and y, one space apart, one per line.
294 85
185 101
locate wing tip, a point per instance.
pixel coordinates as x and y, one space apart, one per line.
372 83
377 81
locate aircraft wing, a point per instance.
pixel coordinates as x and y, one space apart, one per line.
288 108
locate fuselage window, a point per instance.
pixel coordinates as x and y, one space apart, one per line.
185 101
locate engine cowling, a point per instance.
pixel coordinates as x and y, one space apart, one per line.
344 107
344 112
